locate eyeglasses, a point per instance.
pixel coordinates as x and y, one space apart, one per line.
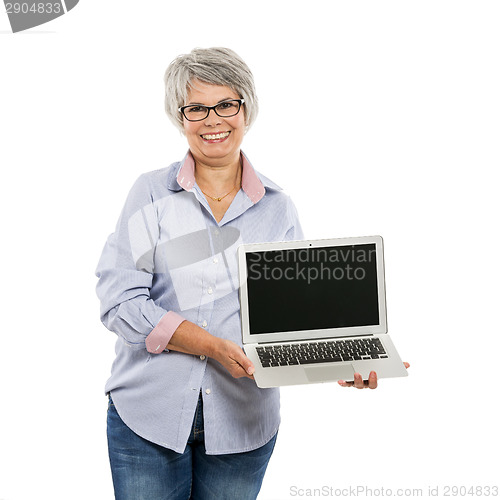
225 109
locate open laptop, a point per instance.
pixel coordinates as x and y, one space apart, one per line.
314 311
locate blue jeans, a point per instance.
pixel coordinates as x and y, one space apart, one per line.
144 470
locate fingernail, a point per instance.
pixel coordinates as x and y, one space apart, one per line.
250 370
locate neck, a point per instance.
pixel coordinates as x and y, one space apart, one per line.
218 179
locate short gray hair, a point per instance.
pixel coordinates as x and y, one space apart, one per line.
216 66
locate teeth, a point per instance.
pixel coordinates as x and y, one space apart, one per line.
211 137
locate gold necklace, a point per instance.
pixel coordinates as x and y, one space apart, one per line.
218 198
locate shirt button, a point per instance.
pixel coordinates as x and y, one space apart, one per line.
216 260
204 324
202 357
208 391
210 291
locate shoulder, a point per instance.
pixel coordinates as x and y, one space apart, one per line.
278 202
277 198
274 191
158 183
268 183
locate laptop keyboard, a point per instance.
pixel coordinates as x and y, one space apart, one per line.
321 352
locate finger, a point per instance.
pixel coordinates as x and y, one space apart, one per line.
358 381
407 365
238 370
247 365
372 380
238 356
242 373
343 383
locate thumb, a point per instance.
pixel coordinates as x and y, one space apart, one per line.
245 363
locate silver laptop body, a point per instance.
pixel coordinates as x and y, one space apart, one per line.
328 294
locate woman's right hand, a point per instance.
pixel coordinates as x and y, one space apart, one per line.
192 339
233 359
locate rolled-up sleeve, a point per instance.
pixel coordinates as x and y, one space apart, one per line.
161 334
125 273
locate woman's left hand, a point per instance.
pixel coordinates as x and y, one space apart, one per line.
359 383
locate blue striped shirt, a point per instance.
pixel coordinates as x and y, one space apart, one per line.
170 260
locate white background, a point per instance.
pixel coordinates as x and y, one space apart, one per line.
377 117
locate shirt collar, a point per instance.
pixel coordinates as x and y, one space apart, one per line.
253 184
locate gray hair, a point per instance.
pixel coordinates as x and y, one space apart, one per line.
216 66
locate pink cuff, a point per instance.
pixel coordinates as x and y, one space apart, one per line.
161 334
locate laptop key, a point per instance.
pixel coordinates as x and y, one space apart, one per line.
307 361
310 361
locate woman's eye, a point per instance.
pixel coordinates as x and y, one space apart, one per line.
226 105
196 109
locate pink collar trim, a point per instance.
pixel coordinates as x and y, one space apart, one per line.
250 182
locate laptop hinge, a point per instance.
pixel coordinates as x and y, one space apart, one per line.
317 339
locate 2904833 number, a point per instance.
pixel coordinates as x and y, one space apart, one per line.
464 491
36 8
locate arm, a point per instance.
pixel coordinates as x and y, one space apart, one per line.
125 273
192 339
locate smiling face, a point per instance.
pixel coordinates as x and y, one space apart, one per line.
214 141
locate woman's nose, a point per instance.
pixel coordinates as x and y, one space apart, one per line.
213 118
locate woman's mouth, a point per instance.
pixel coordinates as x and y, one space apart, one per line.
212 138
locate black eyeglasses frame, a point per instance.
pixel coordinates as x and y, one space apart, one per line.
208 108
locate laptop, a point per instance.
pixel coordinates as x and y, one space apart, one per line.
315 311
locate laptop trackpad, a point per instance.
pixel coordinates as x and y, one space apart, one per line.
321 373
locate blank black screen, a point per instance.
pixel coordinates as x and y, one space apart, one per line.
312 288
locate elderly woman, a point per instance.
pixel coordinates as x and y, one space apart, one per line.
185 417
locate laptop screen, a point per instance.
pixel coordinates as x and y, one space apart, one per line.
312 288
